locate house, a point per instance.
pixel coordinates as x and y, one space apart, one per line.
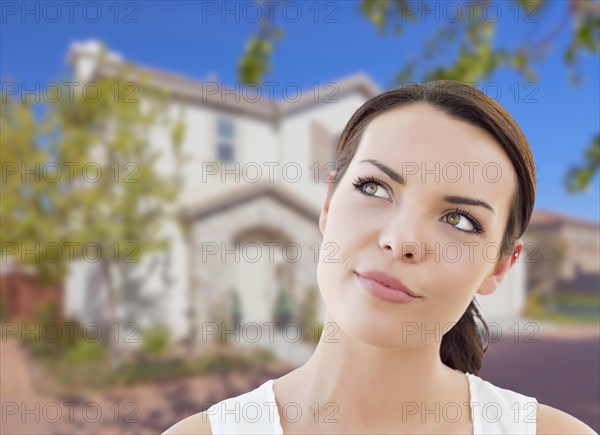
25 300
254 187
578 269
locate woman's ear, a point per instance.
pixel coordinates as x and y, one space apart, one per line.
492 282
325 209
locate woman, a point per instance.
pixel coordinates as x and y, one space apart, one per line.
434 186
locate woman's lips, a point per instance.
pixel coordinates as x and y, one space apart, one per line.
382 291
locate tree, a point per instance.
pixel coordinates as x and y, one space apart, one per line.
94 181
578 177
473 38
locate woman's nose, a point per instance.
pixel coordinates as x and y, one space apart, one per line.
401 237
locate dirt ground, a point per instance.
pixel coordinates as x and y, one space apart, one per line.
561 369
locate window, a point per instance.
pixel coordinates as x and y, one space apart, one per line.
226 128
225 152
225 139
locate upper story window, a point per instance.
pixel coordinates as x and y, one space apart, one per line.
225 139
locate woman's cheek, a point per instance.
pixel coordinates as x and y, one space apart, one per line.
330 260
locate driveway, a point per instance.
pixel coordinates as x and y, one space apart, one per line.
560 367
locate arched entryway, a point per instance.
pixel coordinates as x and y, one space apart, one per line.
264 277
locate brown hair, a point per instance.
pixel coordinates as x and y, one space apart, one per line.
462 346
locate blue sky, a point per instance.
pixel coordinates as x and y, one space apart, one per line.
329 41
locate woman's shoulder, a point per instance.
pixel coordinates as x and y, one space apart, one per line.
548 420
197 424
554 421
490 394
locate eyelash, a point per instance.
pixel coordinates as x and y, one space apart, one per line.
361 181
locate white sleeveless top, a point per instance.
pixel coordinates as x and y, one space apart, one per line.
495 410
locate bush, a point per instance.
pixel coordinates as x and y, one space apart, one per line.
533 305
163 370
94 374
46 312
36 336
309 314
3 307
263 355
155 341
225 363
36 342
318 332
283 307
204 364
222 363
85 351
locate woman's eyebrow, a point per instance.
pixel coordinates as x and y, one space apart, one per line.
398 178
453 199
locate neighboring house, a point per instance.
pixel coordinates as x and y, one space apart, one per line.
232 220
24 300
579 269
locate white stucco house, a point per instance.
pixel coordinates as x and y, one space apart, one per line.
255 228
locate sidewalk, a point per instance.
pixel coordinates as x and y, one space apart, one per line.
15 382
22 407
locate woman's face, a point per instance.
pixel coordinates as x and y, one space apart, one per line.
437 156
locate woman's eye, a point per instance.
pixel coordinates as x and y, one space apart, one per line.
473 227
370 187
455 218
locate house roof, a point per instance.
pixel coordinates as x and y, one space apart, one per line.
547 217
237 97
241 194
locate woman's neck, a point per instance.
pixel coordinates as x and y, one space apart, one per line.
348 385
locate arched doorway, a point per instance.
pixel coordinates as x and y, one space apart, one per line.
261 273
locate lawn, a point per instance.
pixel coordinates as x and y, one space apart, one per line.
574 309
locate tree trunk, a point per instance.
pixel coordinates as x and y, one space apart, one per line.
192 312
114 350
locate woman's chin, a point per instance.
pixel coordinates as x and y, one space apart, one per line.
370 326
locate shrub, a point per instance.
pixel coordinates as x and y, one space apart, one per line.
46 312
263 355
315 335
309 313
162 370
85 351
35 340
3 306
155 341
533 305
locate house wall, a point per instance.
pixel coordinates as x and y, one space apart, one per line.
583 249
216 272
296 140
150 292
580 267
